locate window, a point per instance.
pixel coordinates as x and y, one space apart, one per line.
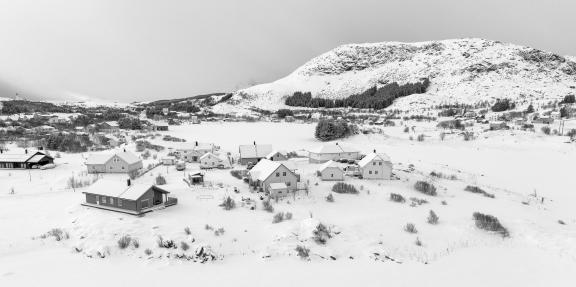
380 163
97 198
119 202
284 174
103 199
122 167
277 174
370 172
331 175
374 163
376 172
111 200
288 184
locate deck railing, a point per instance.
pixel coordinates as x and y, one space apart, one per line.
171 201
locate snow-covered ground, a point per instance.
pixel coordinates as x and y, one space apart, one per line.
513 165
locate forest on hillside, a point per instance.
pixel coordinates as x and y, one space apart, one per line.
373 98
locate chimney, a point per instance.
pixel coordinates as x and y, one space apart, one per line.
254 142
336 143
26 151
124 150
128 182
196 143
374 150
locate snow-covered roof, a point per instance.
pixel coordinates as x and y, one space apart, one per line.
7 157
209 154
332 148
120 189
278 185
272 153
263 169
371 157
112 123
193 146
328 164
255 151
128 157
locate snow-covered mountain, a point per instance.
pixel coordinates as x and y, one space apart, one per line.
462 70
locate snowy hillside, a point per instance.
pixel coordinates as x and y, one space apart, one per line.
463 71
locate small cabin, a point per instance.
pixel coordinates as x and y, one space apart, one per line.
25 160
331 171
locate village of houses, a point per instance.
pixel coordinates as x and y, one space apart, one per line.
228 188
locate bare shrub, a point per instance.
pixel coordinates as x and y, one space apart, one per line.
303 252
321 234
410 228
184 246
135 243
148 251
170 244
418 242
187 230
420 138
288 216
546 130
236 173
330 198
160 180
278 217
267 206
425 187
228 203
124 241
433 218
418 201
397 198
57 233
490 223
219 231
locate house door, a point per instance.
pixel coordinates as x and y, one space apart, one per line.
145 203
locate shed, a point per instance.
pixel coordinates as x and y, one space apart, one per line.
331 171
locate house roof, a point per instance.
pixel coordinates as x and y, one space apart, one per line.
112 123
333 148
120 189
272 153
128 157
263 169
278 185
193 146
329 164
30 157
255 151
209 154
373 156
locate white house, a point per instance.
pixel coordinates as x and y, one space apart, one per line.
253 153
332 151
192 151
375 166
211 160
330 170
120 162
169 160
277 156
267 172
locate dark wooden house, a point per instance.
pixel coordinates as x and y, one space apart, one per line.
25 160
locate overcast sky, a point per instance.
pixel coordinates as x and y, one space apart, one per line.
129 50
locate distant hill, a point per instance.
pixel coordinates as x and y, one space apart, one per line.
460 71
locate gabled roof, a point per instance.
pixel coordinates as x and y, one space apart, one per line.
255 151
373 156
193 146
209 154
126 156
120 189
329 164
272 153
113 124
333 148
7 157
264 168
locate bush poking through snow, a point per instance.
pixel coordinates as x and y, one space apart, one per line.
236 173
341 187
278 217
148 251
124 241
160 180
420 138
425 187
397 198
184 246
475 189
417 201
288 216
444 176
546 130
57 233
490 223
433 218
228 203
219 231
303 252
165 243
135 243
187 230
321 234
266 205
418 242
330 198
410 228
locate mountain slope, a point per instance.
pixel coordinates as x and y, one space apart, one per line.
462 71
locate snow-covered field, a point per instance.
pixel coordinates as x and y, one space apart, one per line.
369 246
